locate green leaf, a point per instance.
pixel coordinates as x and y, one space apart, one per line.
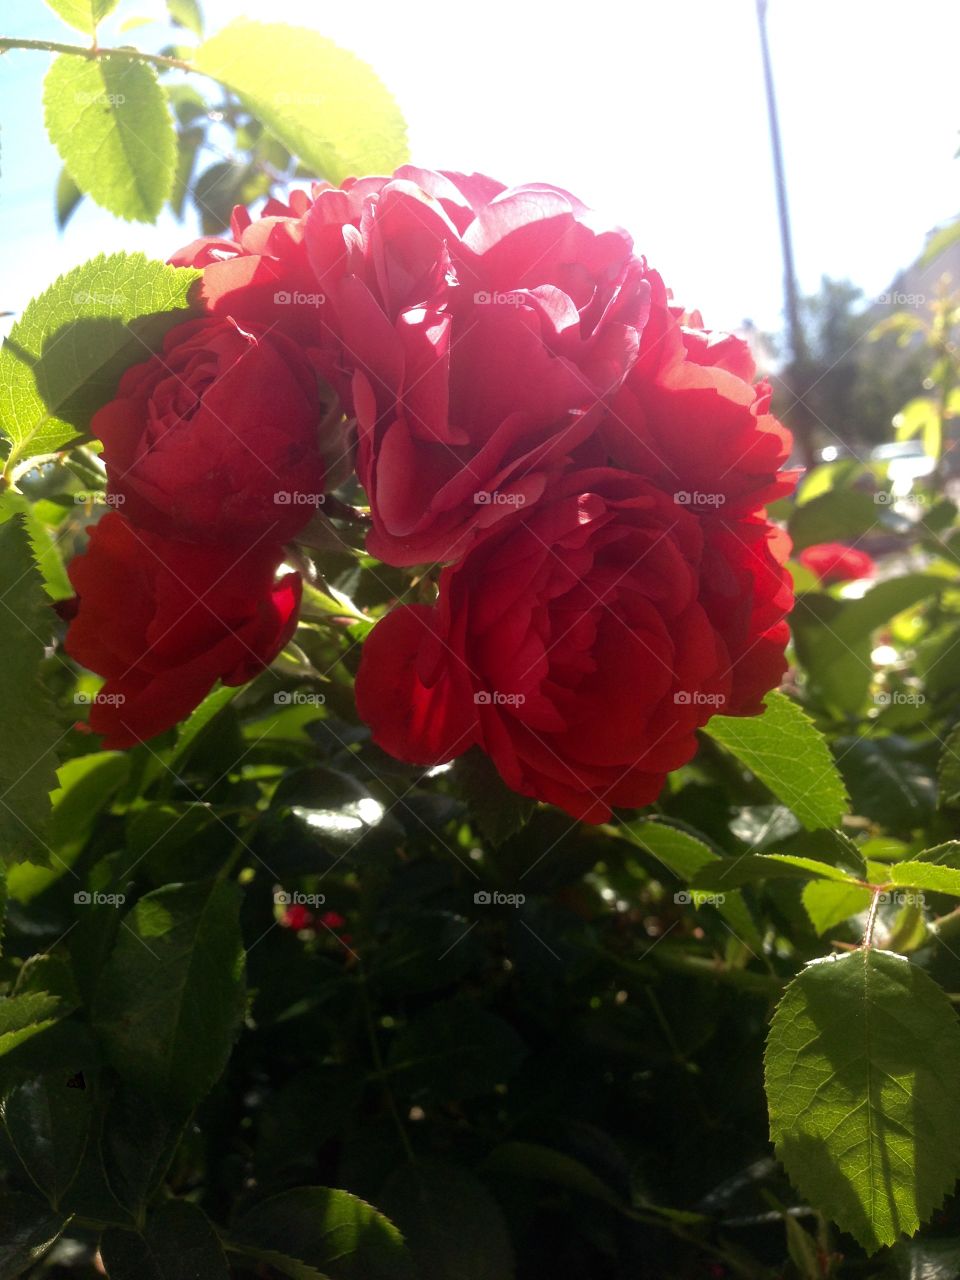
171 995
24 1016
28 1228
840 515
198 719
66 198
137 1143
685 855
186 13
30 732
109 120
862 1077
939 242
498 812
189 141
533 1160
948 771
454 1050
87 784
45 548
323 103
313 1233
453 1227
787 752
177 1243
828 903
48 1123
889 779
926 875
65 354
726 873
83 14
833 636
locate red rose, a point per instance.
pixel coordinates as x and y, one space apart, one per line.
747 594
834 562
570 644
164 620
690 417
508 338
216 440
297 917
474 331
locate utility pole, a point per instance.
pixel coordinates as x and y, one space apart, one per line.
801 418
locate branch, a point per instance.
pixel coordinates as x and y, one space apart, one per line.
94 52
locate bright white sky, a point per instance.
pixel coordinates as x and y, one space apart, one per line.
651 110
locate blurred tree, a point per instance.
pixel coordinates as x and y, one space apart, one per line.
850 383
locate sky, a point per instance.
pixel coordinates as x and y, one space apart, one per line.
651 111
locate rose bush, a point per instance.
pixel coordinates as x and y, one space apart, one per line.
312 981
516 375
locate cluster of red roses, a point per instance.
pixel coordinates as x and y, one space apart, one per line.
588 464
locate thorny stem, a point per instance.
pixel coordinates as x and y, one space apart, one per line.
871 919
94 52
